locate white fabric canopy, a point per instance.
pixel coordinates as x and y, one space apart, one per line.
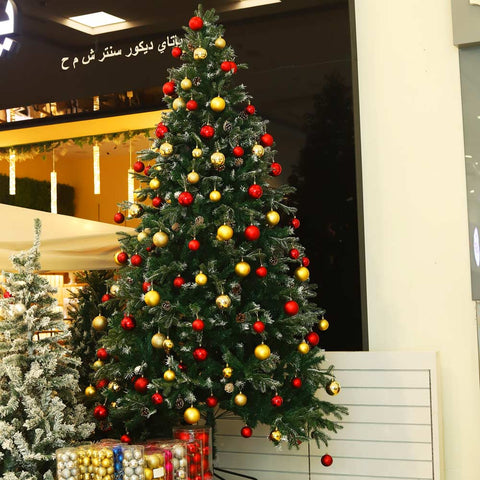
66 243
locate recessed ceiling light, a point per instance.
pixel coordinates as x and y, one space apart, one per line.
97 19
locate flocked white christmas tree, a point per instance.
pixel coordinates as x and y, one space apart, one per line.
39 411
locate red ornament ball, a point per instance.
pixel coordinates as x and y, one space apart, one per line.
178 281
160 131
296 382
146 286
200 354
198 325
258 326
305 261
326 460
207 131
156 202
246 432
185 199
147 169
195 23
225 66
182 366
250 109
100 412
102 383
261 271
139 166
295 222
102 354
127 323
267 140
233 67
252 233
291 307
122 257
136 260
211 401
126 439
191 105
255 191
238 151
194 244
168 88
141 384
277 401
119 217
294 253
6 294
275 169
106 297
157 398
312 338
176 52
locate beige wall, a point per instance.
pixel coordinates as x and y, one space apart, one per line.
417 259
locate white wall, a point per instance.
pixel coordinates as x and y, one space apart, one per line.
417 260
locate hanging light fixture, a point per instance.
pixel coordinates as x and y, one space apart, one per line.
96 169
11 185
53 186
131 179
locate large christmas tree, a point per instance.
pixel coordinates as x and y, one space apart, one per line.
39 409
214 303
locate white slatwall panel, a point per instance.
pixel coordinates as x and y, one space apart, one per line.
391 432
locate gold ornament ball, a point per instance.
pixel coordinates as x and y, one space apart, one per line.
152 298
276 435
168 344
148 473
155 460
323 324
135 210
258 150
140 196
197 152
224 233
227 372
303 347
191 415
220 42
186 84
90 391
217 104
193 177
242 269
114 386
142 236
333 387
200 54
262 351
114 289
169 376
215 196
166 149
217 159
154 183
99 323
160 239
223 302
302 274
240 399
157 340
178 103
201 279
272 217
97 364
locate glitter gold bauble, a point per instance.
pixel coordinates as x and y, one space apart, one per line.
201 279
223 302
193 177
200 54
168 344
333 387
135 210
114 386
217 159
197 152
160 239
240 399
186 84
148 473
114 289
139 196
323 324
302 274
97 364
166 149
155 460
303 347
258 150
242 269
276 435
142 236
99 323
224 233
217 104
220 42
178 103
215 196
262 351
227 372
272 218
154 183
191 415
157 340
169 375
152 298
90 391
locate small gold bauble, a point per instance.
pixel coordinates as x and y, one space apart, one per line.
258 150
186 84
139 196
262 351
302 274
217 104
199 54
114 386
193 177
135 210
154 183
155 460
215 196
157 340
333 387
152 298
224 233
303 347
242 269
90 391
99 323
168 344
114 289
217 159
272 217
223 301
197 152
97 364
178 103
276 435
323 324
240 399
169 376
220 42
191 415
166 149
201 279
227 372
160 239
148 473
142 236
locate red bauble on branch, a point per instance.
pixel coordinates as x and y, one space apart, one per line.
168 88
258 326
102 383
294 253
157 398
295 222
233 67
225 66
106 297
238 151
277 401
185 199
191 105
195 23
275 169
178 281
127 323
100 412
255 191
211 401
119 217
198 325
139 166
160 131
312 338
207 131
305 261
200 354
102 354
194 244
122 257
146 286
261 271
126 439
326 460
136 260
156 202
176 52
266 140
252 233
246 432
141 385
296 382
291 307
250 109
